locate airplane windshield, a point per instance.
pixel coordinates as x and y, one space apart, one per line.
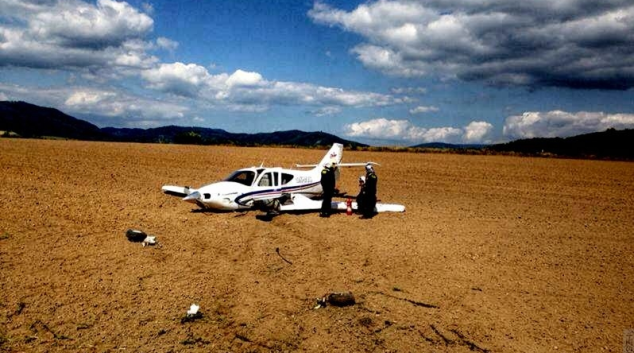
244 177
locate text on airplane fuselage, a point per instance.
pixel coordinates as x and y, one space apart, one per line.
304 180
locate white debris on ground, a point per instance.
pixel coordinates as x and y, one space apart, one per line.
193 310
149 240
192 314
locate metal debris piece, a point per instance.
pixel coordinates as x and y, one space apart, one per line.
321 303
192 314
149 240
341 299
139 236
135 235
193 310
336 299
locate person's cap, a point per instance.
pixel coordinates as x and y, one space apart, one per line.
368 168
362 179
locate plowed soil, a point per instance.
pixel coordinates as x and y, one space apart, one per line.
494 254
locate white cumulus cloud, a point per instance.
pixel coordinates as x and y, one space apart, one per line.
177 78
80 24
386 129
105 106
73 34
244 90
244 78
423 109
166 43
327 110
110 103
558 123
575 43
87 98
477 132
409 90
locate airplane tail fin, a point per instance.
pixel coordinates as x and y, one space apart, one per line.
332 156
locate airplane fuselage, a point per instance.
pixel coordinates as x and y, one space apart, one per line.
244 188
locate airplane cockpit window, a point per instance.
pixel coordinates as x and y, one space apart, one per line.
286 178
244 177
265 180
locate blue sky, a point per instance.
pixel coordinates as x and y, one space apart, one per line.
384 72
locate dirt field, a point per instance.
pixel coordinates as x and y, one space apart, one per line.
494 254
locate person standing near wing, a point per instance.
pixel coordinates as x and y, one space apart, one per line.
328 187
369 197
361 195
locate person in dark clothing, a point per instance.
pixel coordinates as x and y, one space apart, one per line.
361 195
369 197
328 187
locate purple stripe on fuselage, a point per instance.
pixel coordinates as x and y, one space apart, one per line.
274 191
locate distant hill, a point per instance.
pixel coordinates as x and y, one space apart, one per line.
207 136
442 145
610 144
30 120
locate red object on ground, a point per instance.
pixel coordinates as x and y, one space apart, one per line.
349 207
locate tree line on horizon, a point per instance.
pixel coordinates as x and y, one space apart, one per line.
21 119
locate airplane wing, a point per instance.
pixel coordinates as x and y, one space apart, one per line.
359 164
302 203
180 191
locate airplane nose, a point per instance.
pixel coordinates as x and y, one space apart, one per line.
194 197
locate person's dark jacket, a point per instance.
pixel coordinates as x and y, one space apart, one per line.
328 181
371 181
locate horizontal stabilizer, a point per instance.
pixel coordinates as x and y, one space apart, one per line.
379 207
180 191
301 203
389 207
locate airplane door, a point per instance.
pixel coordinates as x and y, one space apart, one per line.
269 180
265 180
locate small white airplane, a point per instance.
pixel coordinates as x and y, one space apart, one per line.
276 188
